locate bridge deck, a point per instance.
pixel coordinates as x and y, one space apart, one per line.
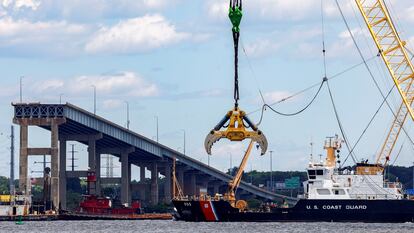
80 121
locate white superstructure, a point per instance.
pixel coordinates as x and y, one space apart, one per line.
326 181
14 205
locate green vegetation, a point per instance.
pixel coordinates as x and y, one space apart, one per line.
4 185
76 187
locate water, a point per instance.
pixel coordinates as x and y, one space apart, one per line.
175 227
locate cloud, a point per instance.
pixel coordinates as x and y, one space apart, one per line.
119 84
124 83
80 10
22 37
226 148
41 37
112 103
20 4
275 96
409 14
283 42
210 93
261 48
135 35
217 9
267 9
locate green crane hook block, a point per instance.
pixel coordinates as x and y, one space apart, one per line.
235 15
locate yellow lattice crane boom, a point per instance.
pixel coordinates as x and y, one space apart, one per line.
395 55
235 182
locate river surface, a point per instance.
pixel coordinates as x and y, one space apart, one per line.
174 226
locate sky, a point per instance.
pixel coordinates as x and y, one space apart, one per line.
173 60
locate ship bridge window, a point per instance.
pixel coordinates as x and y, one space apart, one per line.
319 172
323 191
312 174
339 192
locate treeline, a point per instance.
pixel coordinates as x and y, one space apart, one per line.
76 187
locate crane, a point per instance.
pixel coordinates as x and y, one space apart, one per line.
395 55
177 191
233 184
239 127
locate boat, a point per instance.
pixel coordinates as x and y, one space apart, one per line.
331 193
94 207
19 207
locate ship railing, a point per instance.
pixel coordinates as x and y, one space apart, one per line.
372 196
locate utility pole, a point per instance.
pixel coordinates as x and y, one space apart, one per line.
12 161
94 99
72 166
271 171
184 140
60 98
156 121
21 89
127 105
109 167
44 165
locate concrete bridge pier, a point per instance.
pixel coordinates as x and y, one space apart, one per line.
216 188
23 158
142 182
53 151
94 162
62 172
168 183
190 185
154 183
125 177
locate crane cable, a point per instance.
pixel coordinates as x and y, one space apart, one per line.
235 15
313 85
367 67
265 106
368 125
341 128
327 84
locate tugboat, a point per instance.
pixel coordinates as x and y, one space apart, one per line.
357 194
94 207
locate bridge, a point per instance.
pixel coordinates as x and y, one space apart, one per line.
67 122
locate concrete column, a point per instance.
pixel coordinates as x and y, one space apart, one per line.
142 173
167 184
92 161
92 154
62 173
98 173
125 179
142 180
193 184
216 188
23 159
129 183
204 184
154 184
55 163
